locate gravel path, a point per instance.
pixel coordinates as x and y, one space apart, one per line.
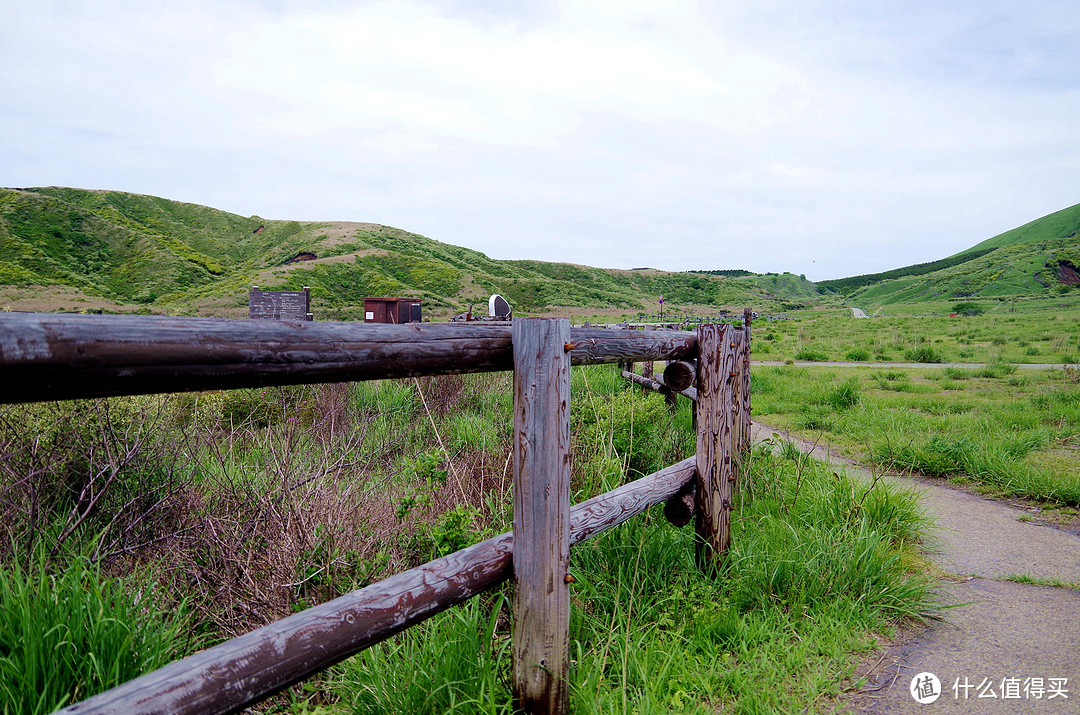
1005 635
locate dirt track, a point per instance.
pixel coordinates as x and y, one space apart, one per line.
1004 630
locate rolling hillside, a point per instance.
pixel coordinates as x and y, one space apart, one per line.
1038 259
1064 224
113 249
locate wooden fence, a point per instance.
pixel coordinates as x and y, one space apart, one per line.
54 357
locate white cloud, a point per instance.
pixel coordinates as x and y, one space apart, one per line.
826 138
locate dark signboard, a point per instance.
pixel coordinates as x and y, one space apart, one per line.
294 305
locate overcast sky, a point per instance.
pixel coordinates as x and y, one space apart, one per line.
825 138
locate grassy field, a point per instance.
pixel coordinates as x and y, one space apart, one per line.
1008 431
229 510
1041 331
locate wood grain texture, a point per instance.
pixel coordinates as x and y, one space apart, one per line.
541 628
747 440
716 372
47 356
247 669
680 374
599 514
740 427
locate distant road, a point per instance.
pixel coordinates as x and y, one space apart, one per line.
972 365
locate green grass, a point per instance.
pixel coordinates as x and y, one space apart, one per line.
1011 433
69 632
1035 581
1038 332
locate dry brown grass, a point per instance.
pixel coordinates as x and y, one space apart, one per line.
246 519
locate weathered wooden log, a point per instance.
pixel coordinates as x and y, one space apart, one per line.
541 628
656 385
46 356
680 507
716 372
747 439
739 426
679 375
242 671
646 382
647 368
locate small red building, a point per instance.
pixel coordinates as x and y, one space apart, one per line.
392 310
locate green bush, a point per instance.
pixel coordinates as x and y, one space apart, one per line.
923 353
858 355
970 309
845 395
810 353
995 369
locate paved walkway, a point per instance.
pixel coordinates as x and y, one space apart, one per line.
1006 635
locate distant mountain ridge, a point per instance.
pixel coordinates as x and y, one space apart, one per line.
145 250
136 250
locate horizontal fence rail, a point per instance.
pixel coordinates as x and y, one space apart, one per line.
246 669
47 356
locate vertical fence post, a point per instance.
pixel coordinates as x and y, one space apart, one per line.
541 604
746 416
735 411
716 374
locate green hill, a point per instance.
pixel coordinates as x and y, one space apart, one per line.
1037 259
146 251
1063 224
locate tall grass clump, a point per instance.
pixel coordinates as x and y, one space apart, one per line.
995 369
923 353
69 632
844 395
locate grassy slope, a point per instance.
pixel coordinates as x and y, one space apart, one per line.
102 243
1060 224
1022 261
1018 270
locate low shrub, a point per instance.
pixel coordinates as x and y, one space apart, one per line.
810 353
923 353
858 355
844 395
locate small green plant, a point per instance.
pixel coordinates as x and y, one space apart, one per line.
996 369
858 355
809 353
923 353
845 395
